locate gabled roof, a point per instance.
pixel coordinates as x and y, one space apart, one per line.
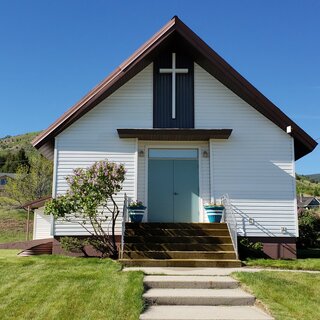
305 201
176 31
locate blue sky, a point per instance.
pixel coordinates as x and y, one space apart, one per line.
54 52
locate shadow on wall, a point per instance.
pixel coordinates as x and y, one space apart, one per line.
245 220
259 190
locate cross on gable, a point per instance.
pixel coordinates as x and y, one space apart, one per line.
173 72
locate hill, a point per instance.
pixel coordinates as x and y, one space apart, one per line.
15 150
307 186
13 225
314 177
15 143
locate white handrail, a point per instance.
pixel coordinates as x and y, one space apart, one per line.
230 218
124 220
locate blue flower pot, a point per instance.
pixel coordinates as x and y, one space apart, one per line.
214 213
136 214
136 218
214 217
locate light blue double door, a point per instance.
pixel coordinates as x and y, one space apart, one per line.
173 186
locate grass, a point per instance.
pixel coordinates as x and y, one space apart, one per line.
58 287
288 295
307 187
13 224
14 143
298 264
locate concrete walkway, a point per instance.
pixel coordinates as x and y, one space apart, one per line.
197 294
204 313
206 271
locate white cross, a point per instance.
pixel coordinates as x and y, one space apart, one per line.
173 71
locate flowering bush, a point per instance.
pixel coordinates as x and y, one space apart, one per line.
136 204
213 204
90 195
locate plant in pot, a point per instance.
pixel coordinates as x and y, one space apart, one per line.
214 211
136 211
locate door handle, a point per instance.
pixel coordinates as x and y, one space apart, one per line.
175 193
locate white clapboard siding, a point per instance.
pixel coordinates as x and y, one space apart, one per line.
75 226
94 137
42 225
204 174
254 166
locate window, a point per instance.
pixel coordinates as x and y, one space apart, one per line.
174 153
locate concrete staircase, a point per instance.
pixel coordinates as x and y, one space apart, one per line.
39 249
198 298
178 245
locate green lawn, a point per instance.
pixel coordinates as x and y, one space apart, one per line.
288 295
58 287
298 264
13 224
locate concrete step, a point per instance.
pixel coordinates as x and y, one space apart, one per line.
204 313
181 263
177 247
179 254
190 282
161 225
189 271
176 232
179 239
208 297
44 248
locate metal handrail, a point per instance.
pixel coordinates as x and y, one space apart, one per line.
230 218
124 220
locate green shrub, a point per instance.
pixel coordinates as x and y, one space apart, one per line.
309 229
73 244
248 249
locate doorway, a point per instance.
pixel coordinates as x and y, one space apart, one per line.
173 185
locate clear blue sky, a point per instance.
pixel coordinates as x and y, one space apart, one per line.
54 52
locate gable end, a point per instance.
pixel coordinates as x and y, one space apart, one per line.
202 54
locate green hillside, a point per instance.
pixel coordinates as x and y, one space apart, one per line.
15 143
307 187
15 150
314 177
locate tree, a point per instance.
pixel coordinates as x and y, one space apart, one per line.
31 183
10 164
90 197
2 162
13 160
309 229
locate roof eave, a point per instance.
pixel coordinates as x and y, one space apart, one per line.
90 100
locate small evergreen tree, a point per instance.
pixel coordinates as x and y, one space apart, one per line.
13 160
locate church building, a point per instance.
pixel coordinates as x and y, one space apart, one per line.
190 130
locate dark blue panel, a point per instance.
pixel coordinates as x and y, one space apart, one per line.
162 85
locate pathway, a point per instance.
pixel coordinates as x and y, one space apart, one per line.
207 271
197 294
